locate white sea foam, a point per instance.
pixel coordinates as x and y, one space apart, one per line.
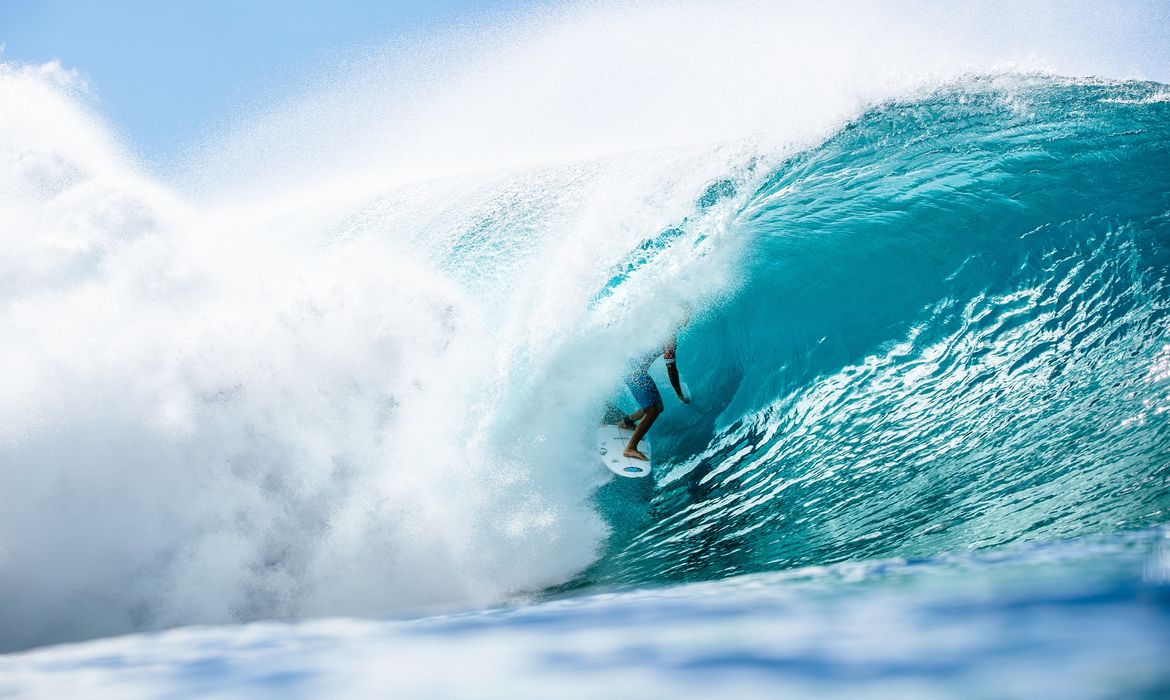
301 408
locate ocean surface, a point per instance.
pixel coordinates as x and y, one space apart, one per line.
1082 618
326 437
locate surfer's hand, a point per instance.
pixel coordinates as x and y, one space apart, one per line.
683 398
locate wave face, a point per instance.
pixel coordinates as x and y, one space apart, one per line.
951 332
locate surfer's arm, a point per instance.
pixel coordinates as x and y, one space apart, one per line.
668 354
672 372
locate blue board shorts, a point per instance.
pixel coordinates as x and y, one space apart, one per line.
643 388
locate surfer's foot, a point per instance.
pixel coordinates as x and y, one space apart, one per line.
627 423
634 454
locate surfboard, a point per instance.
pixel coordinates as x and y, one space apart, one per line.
611 442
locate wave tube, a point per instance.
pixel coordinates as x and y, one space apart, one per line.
950 333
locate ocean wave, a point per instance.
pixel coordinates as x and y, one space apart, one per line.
917 325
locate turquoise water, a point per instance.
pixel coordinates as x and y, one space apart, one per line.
950 332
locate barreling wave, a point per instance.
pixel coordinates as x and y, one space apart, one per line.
942 327
950 332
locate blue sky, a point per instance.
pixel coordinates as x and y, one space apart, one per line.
167 71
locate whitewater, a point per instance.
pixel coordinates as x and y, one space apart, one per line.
310 411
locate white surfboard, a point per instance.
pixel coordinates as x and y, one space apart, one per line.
611 443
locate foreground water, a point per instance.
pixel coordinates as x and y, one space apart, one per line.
1083 618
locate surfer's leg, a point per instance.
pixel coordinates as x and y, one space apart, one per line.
631 421
649 416
646 394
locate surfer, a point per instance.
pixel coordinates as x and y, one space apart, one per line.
645 392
